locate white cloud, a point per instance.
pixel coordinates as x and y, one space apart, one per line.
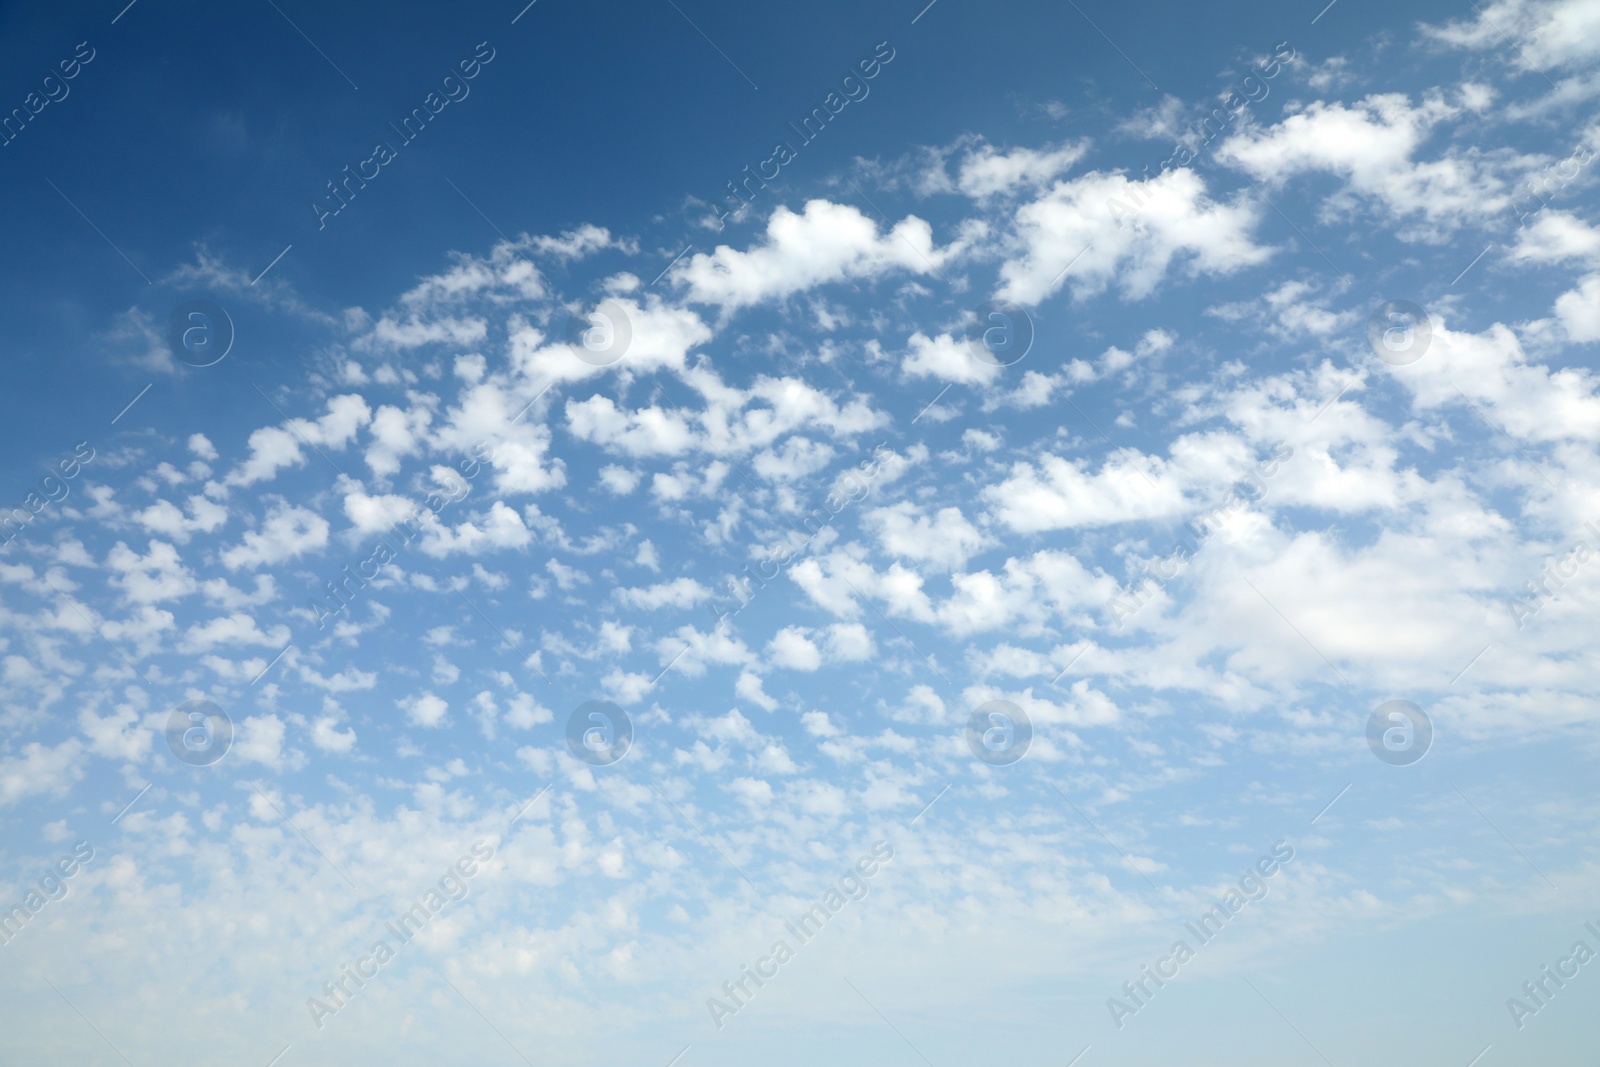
678 593
259 739
583 241
1059 493
235 629
825 243
791 648
1578 309
201 446
849 642
425 710
165 518
1548 33
287 532
619 480
1102 229
1372 146
152 578
986 171
273 448
947 358
905 531
1528 400
327 736
1557 237
40 769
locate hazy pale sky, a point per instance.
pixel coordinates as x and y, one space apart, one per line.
700 533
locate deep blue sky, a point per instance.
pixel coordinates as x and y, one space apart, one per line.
201 125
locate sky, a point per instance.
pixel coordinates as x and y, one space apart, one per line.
872 533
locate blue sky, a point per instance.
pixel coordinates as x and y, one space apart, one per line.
535 400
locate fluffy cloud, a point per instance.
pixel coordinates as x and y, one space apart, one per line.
1373 147
825 243
1549 33
287 532
425 709
1101 229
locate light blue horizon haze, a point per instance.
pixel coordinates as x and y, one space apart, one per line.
686 533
